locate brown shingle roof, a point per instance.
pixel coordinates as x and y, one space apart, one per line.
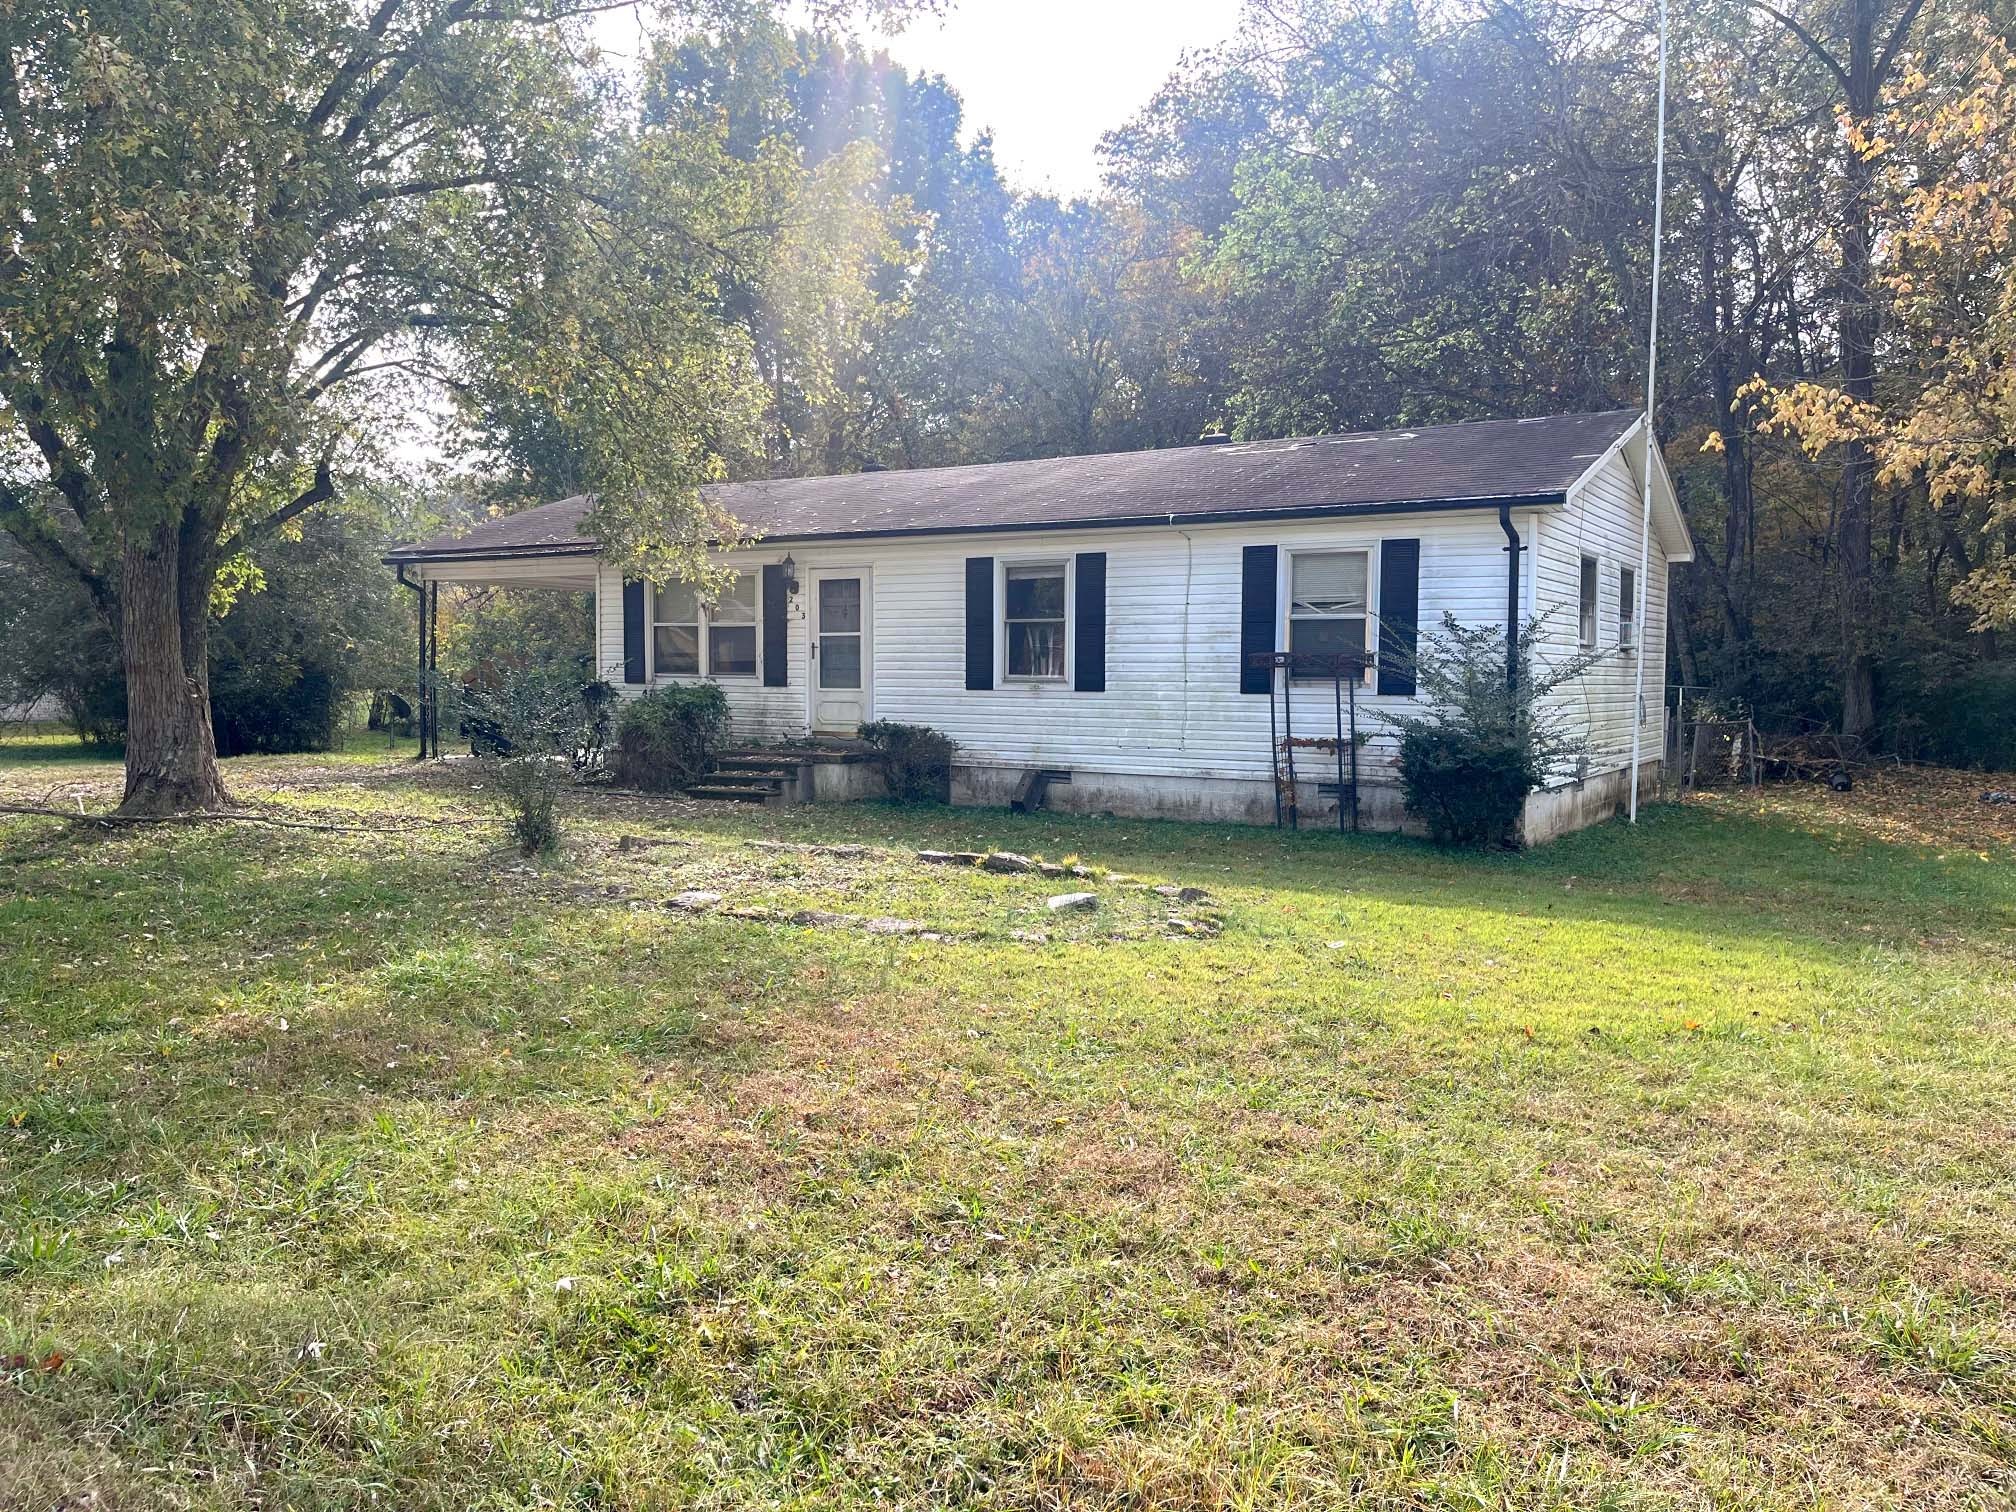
1444 466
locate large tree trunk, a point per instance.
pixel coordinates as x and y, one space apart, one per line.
171 752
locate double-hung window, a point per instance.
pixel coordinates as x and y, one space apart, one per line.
1627 608
1033 622
687 635
1329 607
1588 605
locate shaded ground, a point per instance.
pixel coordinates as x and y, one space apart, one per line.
375 1167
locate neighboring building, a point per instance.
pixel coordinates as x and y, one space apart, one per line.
1099 616
47 709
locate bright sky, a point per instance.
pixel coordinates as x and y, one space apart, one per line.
1049 77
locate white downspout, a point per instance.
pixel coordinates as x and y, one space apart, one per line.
1651 382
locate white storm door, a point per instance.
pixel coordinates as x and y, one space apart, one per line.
841 621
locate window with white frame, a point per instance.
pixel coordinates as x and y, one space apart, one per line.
687 634
1329 608
1588 618
1627 608
1032 621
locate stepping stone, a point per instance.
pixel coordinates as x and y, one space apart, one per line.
1007 861
1065 901
819 916
693 902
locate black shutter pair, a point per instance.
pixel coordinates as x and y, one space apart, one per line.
1399 614
1088 624
776 630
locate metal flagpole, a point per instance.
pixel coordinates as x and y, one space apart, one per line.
1651 389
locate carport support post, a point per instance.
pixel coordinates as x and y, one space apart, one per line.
431 739
419 660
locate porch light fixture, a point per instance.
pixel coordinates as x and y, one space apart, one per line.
790 574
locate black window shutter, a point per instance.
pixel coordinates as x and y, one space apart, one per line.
1399 614
1257 616
776 629
633 631
1089 653
979 623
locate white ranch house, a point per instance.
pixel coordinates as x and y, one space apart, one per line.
1099 618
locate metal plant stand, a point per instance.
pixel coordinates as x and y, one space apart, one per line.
1345 671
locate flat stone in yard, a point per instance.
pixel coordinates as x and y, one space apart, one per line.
951 858
693 902
1073 900
818 916
1007 861
893 927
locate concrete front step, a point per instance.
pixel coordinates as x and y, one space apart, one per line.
721 793
826 753
768 765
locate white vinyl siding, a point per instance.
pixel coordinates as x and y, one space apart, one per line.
1172 704
1602 520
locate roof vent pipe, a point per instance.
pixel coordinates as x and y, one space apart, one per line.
873 466
1214 438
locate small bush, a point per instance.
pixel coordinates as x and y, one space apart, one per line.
1469 761
916 760
540 724
1469 789
666 739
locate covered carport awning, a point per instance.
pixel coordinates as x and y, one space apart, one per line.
573 571
475 560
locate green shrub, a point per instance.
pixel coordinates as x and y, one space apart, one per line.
1469 790
1469 760
666 739
916 760
536 725
275 715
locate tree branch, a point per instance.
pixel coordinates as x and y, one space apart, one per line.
1813 44
1896 41
70 479
353 67
320 491
41 541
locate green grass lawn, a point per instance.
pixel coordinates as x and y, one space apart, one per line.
376 1167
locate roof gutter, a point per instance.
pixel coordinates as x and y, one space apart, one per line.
1118 522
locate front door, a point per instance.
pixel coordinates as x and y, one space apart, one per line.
843 651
